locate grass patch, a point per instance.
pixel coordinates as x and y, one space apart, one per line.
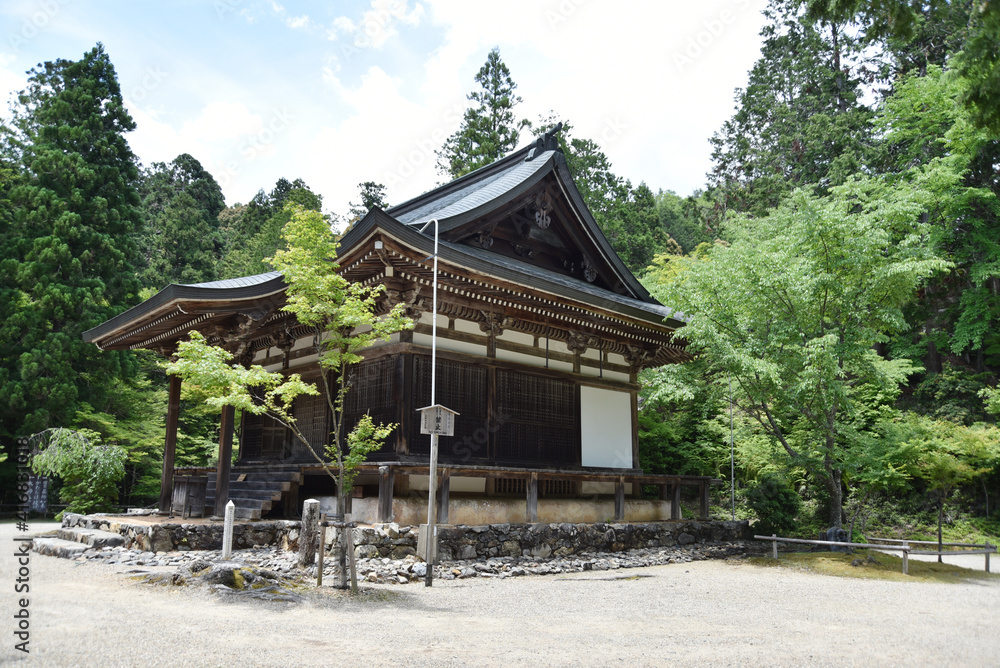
884 567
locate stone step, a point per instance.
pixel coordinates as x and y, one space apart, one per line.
91 537
57 547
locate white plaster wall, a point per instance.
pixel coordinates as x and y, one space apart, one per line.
449 344
517 337
457 484
510 356
605 428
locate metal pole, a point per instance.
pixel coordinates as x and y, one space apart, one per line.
432 487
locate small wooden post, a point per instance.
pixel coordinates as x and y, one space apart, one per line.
906 559
322 549
308 532
444 492
227 532
620 499
675 502
774 545
170 444
703 488
385 489
532 501
988 547
349 537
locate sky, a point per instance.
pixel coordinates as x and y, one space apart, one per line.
337 93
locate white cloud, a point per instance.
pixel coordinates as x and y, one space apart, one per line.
297 22
221 121
378 24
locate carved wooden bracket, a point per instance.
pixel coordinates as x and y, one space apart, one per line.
579 342
414 303
638 357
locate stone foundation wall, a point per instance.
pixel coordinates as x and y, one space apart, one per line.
544 540
460 542
170 536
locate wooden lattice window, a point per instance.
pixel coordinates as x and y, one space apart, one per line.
512 486
538 419
262 438
372 390
557 488
460 387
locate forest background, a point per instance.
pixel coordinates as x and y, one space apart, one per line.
840 270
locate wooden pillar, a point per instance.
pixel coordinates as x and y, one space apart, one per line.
703 489
620 499
634 409
675 501
170 444
225 460
531 512
443 494
385 483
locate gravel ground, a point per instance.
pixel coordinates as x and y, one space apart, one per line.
701 613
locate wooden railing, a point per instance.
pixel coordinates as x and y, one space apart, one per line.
904 547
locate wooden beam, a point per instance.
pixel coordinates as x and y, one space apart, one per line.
170 444
385 484
620 499
531 512
443 496
675 502
225 460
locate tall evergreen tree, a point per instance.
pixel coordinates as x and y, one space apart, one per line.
256 230
69 257
180 242
372 195
489 129
800 119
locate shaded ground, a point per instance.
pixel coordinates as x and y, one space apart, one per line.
713 612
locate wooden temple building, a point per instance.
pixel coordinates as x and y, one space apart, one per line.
541 333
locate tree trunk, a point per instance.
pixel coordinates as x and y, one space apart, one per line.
940 518
341 547
836 498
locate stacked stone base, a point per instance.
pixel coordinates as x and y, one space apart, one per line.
171 536
455 543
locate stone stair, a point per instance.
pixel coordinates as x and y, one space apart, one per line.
260 488
71 542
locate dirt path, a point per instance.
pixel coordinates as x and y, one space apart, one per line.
718 613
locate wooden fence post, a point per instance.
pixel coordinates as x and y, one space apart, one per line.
906 560
350 554
531 510
774 545
307 532
322 549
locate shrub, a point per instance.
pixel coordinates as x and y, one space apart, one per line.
775 504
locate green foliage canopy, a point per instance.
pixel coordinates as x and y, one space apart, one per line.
792 310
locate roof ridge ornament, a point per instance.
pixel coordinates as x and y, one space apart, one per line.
546 142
